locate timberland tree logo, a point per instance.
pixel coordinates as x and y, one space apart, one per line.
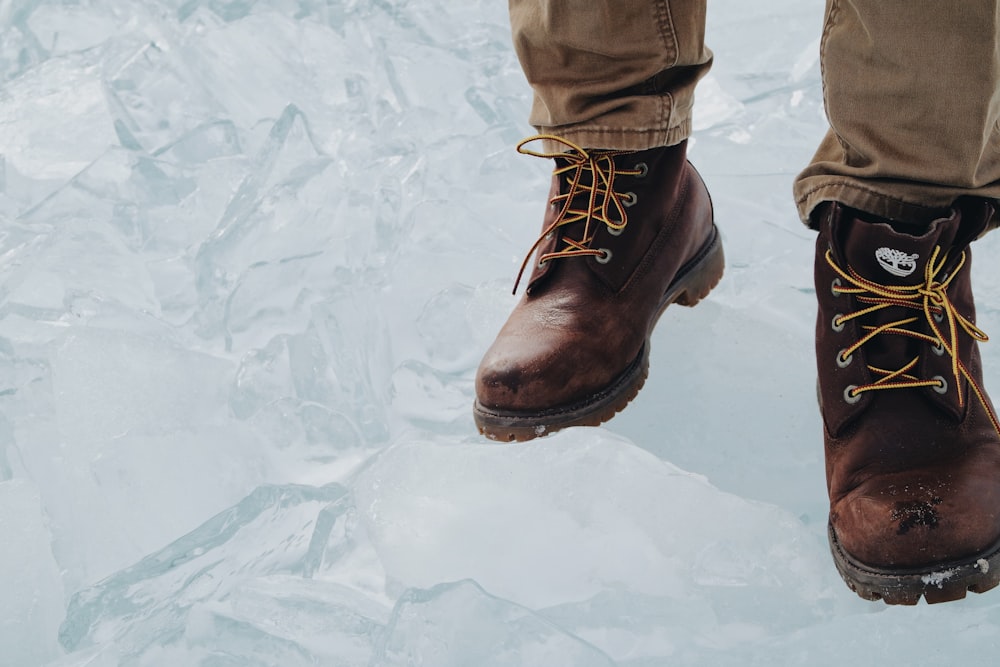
896 262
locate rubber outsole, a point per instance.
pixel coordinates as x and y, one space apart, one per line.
692 285
942 582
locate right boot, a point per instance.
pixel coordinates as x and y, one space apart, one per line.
625 235
912 439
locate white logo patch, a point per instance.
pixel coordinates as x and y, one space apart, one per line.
896 262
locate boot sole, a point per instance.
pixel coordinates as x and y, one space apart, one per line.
692 284
942 582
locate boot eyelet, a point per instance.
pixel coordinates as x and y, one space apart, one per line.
542 262
843 361
629 199
849 396
938 348
616 231
643 170
938 317
834 285
603 258
837 324
941 388
550 236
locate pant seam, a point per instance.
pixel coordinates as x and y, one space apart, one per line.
665 22
831 20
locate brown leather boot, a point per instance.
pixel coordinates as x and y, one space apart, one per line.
625 235
912 444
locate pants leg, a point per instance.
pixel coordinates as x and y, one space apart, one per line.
614 74
912 93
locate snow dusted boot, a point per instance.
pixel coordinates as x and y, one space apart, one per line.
625 235
912 444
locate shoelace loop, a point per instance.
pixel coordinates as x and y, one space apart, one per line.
929 298
601 203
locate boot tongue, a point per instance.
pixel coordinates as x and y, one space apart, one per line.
887 256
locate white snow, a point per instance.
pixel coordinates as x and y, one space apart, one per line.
250 256
938 578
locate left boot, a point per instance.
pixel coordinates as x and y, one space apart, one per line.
625 235
912 444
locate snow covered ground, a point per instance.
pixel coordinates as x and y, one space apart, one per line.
250 255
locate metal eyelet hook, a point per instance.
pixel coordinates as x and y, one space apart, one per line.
942 388
643 170
843 361
616 231
603 258
629 199
938 348
835 284
837 323
849 396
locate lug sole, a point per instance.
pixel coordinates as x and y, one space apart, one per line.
693 283
942 582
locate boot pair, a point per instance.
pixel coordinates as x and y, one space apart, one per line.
912 441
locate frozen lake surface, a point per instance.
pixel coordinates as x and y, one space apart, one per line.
250 256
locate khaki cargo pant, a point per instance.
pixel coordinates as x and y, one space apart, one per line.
911 87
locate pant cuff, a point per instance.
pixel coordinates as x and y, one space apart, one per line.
863 197
616 138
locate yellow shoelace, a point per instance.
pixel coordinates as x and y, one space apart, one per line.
930 298
603 204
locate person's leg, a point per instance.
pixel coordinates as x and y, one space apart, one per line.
912 93
901 185
612 73
628 229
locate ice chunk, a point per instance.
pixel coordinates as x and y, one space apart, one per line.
279 620
87 258
431 399
715 105
31 601
286 390
293 51
59 124
63 28
350 335
275 530
334 377
580 513
128 441
155 98
738 454
443 326
137 493
208 141
121 188
454 625
6 441
272 239
108 383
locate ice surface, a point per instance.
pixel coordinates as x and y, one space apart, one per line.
32 599
572 519
460 624
228 581
250 256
